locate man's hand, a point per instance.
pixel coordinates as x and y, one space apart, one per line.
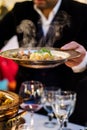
77 47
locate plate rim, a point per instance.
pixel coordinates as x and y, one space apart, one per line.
40 63
36 48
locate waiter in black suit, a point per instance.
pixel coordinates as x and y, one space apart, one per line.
55 23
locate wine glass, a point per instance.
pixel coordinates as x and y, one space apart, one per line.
46 100
63 106
31 92
73 103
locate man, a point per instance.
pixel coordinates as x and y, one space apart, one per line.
56 23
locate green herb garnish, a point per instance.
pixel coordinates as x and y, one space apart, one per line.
44 50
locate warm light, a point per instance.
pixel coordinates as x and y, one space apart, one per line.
10 3
83 1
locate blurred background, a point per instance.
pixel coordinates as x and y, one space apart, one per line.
7 5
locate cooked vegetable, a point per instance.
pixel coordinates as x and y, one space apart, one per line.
4 100
44 50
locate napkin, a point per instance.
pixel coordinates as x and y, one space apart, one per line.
8 70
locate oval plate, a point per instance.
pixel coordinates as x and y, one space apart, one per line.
56 52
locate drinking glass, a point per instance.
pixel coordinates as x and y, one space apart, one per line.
63 106
46 100
73 101
31 92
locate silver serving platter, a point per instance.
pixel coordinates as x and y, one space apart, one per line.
56 52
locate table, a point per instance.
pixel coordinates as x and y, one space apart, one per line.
40 119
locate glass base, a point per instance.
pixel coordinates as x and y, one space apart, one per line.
66 128
50 124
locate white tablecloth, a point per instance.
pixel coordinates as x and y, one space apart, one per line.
40 119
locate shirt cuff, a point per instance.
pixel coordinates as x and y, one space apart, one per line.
81 67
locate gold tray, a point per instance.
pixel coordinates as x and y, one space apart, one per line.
56 52
9 110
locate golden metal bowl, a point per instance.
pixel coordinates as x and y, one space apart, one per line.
9 109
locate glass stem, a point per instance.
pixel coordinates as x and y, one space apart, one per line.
61 124
65 122
32 119
50 116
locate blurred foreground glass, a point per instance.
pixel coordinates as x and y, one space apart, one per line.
46 100
31 92
63 106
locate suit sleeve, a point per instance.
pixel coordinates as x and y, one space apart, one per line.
7 28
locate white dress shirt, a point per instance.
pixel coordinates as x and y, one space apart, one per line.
46 21
82 66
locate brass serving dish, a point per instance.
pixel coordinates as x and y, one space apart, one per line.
9 110
56 52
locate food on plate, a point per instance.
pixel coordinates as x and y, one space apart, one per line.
42 54
21 54
39 55
4 100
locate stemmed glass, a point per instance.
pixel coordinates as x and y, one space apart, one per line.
63 106
31 92
46 100
73 103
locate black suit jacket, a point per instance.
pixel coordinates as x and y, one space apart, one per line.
72 22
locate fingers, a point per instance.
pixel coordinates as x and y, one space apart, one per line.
81 49
77 47
71 45
73 62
